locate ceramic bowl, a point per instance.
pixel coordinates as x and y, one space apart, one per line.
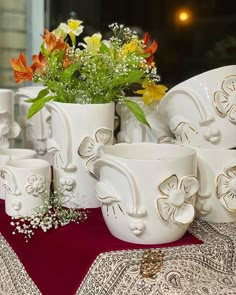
216 200
201 111
147 191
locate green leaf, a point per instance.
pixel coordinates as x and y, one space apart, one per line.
68 72
40 95
103 48
38 105
137 111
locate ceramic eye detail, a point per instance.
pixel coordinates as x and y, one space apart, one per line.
182 129
137 227
177 200
36 185
108 197
224 101
226 188
91 148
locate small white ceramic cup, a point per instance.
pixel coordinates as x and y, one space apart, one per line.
216 200
147 191
7 155
27 183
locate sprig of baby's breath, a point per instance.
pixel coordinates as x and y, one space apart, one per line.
50 215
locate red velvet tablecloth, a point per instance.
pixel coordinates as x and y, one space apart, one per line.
58 260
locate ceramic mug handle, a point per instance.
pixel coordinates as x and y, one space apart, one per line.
137 210
14 189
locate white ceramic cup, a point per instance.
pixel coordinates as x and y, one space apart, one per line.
201 111
27 183
7 155
147 191
9 129
36 130
216 200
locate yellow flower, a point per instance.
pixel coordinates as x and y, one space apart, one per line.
132 46
152 92
73 28
59 33
93 42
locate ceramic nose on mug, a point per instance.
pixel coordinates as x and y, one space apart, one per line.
27 184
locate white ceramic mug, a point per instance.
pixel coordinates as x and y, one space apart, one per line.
36 130
216 199
131 130
9 129
201 111
27 183
7 155
147 191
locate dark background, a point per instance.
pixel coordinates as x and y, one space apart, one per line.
206 41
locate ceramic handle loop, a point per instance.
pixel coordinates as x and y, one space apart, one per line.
136 210
68 166
206 117
15 190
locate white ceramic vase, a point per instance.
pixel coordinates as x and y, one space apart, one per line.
147 191
201 111
79 131
131 130
9 129
216 199
36 130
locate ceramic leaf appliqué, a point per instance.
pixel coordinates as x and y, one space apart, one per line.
91 148
226 188
176 201
224 101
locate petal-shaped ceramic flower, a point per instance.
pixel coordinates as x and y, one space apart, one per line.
222 185
232 113
189 185
103 135
164 208
90 165
168 184
224 101
184 214
221 103
229 201
105 194
86 148
231 171
32 178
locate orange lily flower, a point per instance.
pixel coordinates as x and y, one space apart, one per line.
39 62
53 44
21 71
151 49
152 92
66 61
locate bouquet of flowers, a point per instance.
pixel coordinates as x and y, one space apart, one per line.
91 70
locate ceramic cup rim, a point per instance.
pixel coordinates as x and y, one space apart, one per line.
129 151
17 152
28 164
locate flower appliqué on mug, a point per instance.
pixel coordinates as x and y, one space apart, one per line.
91 148
226 188
36 185
178 199
225 100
